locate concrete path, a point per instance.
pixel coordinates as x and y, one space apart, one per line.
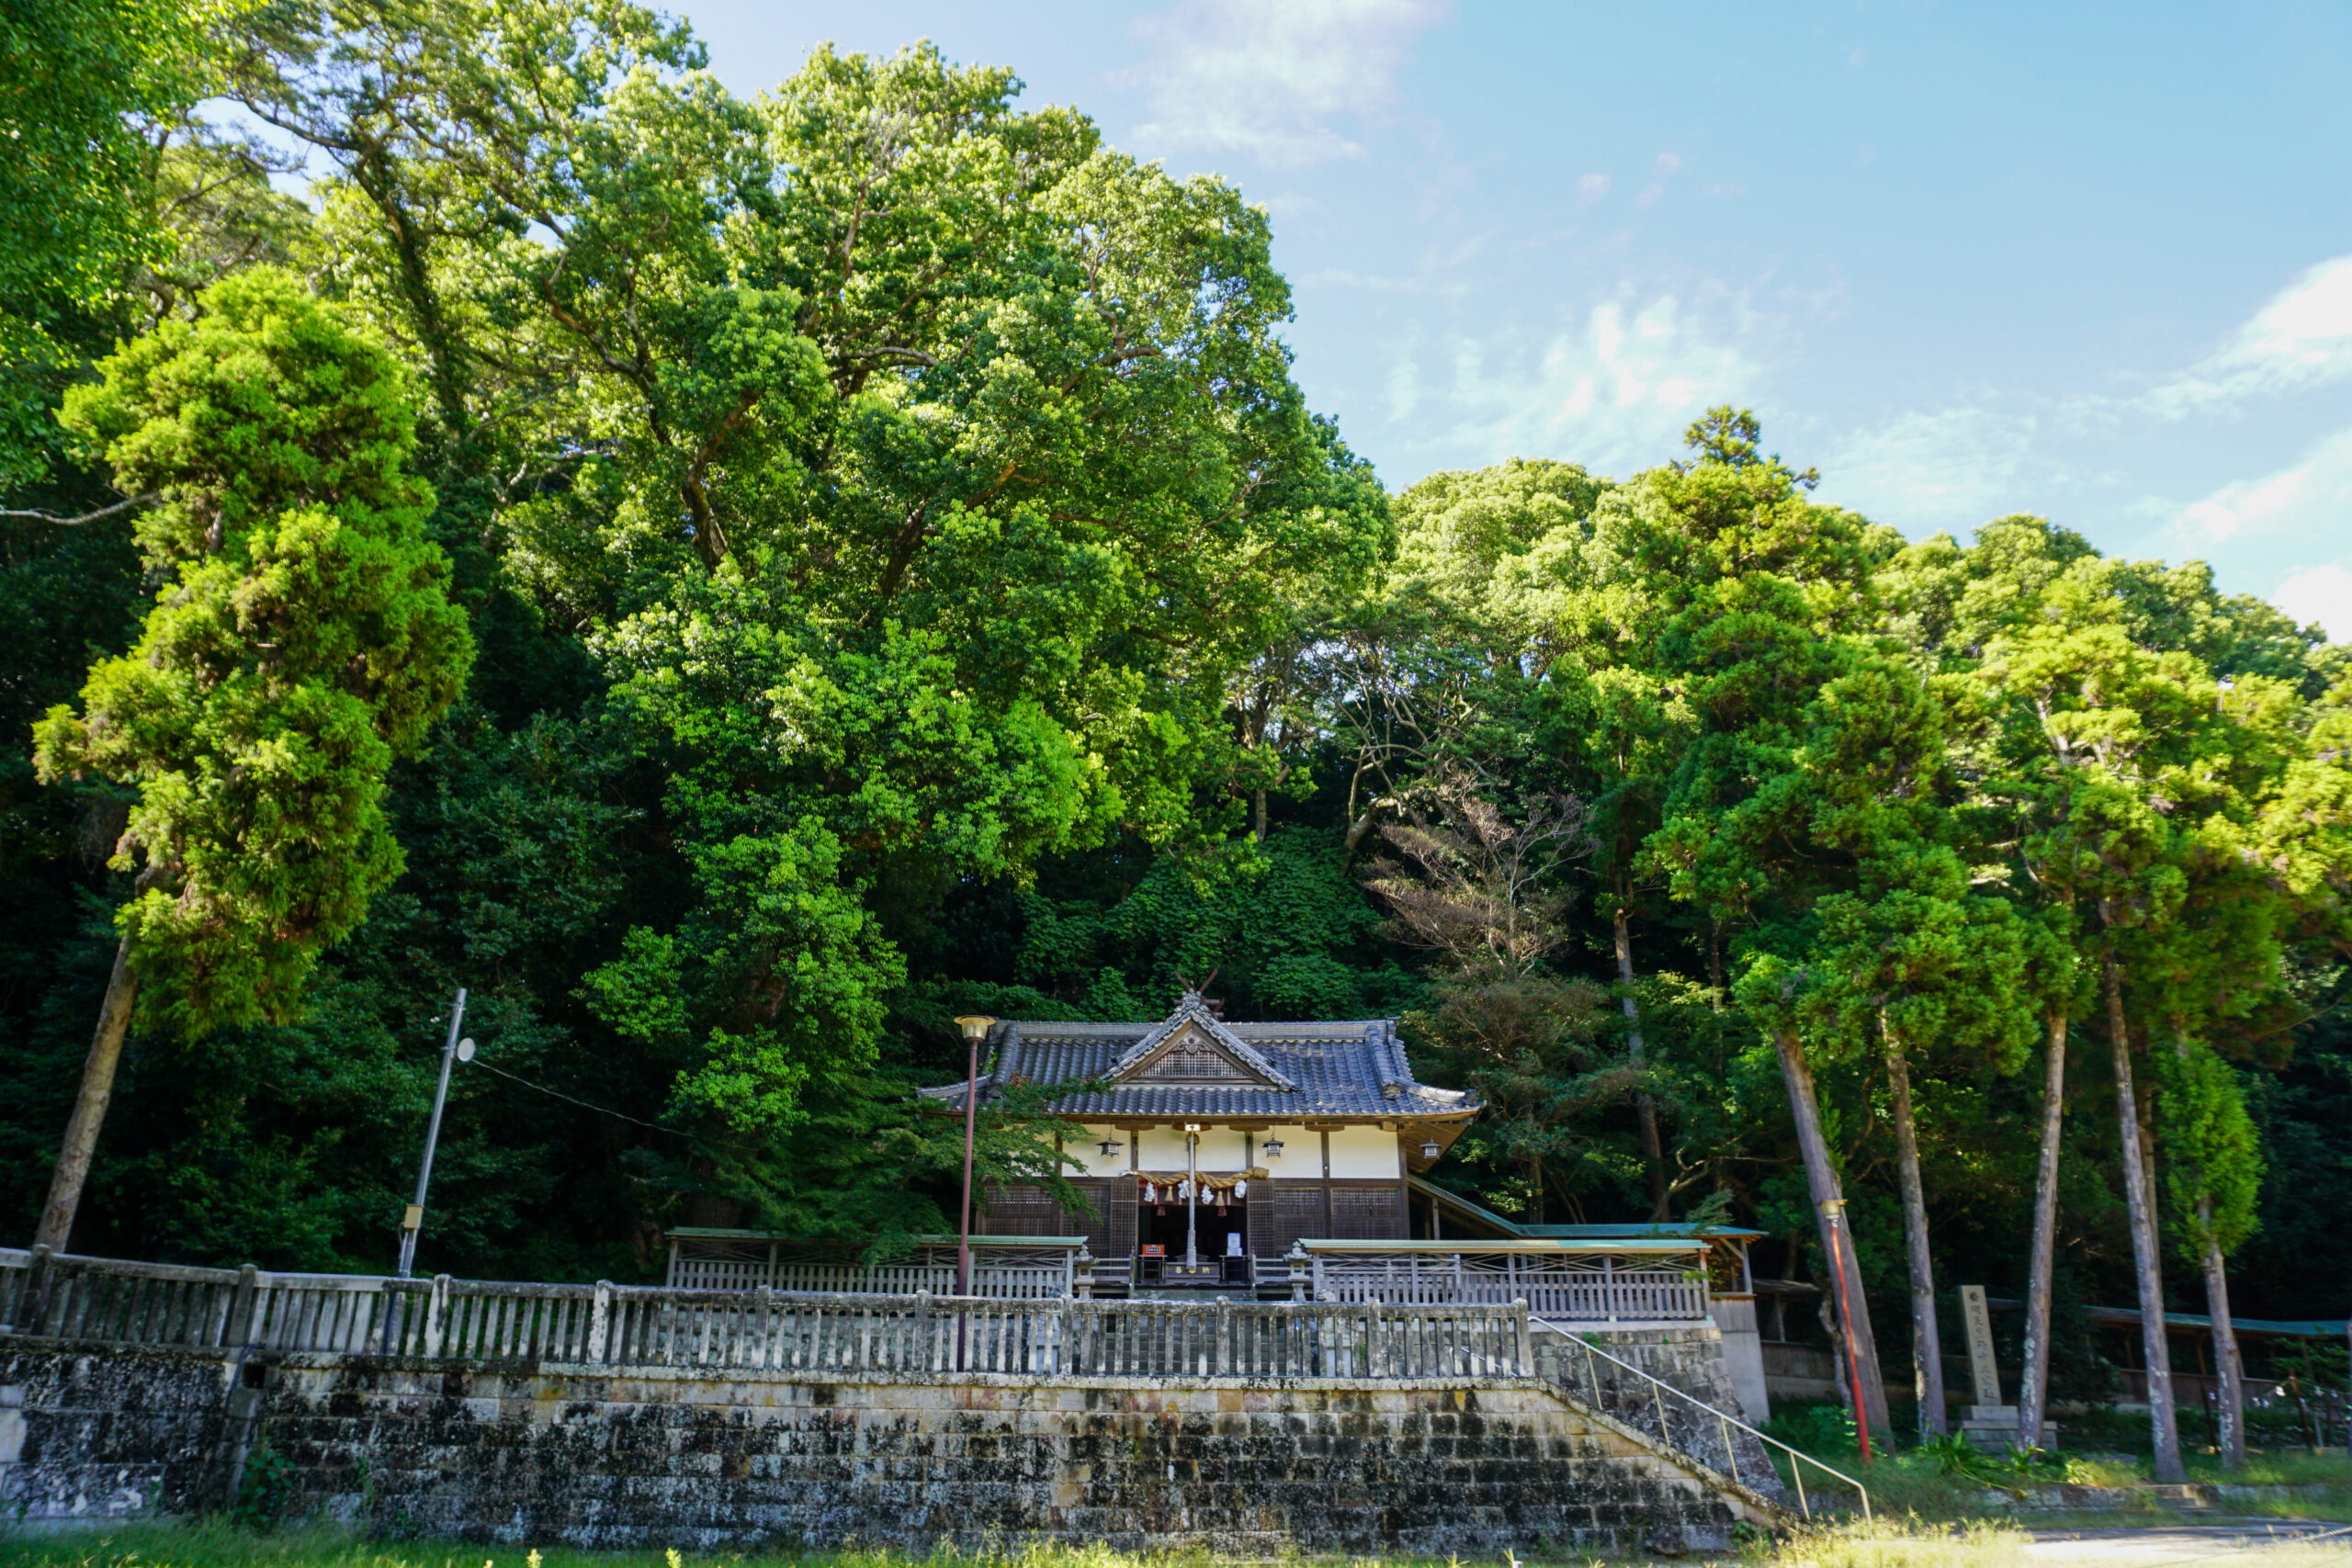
2240 1541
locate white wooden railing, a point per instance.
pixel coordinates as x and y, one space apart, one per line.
1028 1269
1579 1287
88 1300
1011 1281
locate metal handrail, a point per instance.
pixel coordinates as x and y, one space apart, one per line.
1726 1421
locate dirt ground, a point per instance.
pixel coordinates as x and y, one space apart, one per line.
2243 1542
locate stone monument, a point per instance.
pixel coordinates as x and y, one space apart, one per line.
1988 1423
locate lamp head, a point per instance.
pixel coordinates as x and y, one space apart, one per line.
974 1025
465 1050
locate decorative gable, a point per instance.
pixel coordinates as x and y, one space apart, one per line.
1192 1047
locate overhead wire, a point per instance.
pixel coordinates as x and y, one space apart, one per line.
575 1099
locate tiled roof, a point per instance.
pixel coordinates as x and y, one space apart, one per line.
1353 1069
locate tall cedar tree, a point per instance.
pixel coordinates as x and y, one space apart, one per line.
304 640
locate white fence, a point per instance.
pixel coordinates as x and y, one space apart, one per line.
1579 1287
1025 1271
103 1300
1006 1281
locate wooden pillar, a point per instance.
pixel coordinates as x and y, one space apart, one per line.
1330 1224
1404 1192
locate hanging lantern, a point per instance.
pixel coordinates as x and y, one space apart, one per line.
1431 1150
1110 1145
1272 1148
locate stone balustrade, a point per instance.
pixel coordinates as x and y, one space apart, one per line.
608 1415
111 1301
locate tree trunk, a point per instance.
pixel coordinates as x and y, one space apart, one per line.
1258 810
90 1103
2033 1382
1838 1362
1821 1182
1644 1106
1927 1338
2163 1420
2232 1421
2225 1346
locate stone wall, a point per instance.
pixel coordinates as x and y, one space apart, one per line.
650 1457
117 1434
1742 1355
1688 1355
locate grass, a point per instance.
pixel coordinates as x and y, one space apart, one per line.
218 1544
1946 1487
221 1545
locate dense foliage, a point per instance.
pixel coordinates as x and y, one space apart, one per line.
904 579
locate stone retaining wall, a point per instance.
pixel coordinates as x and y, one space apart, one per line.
597 1456
1688 1355
118 1433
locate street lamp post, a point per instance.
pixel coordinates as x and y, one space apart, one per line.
975 1029
452 1050
1834 1208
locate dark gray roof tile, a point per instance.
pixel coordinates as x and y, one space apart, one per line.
1334 1068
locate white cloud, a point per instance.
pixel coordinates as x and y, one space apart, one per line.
2311 501
1957 467
1613 391
2322 593
1592 187
1404 384
2302 337
1669 163
1340 277
1266 80
1952 468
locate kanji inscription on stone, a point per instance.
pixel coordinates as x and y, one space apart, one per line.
1984 1371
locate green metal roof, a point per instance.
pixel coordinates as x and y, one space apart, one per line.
2314 1328
1581 1232
1516 1244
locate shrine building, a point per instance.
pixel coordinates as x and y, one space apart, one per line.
1212 1149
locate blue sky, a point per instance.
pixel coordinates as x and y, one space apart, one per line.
2093 261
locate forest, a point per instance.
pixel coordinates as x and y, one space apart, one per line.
737 583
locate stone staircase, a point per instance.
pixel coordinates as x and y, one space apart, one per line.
1703 1438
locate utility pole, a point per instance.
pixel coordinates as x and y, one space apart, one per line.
452 1050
